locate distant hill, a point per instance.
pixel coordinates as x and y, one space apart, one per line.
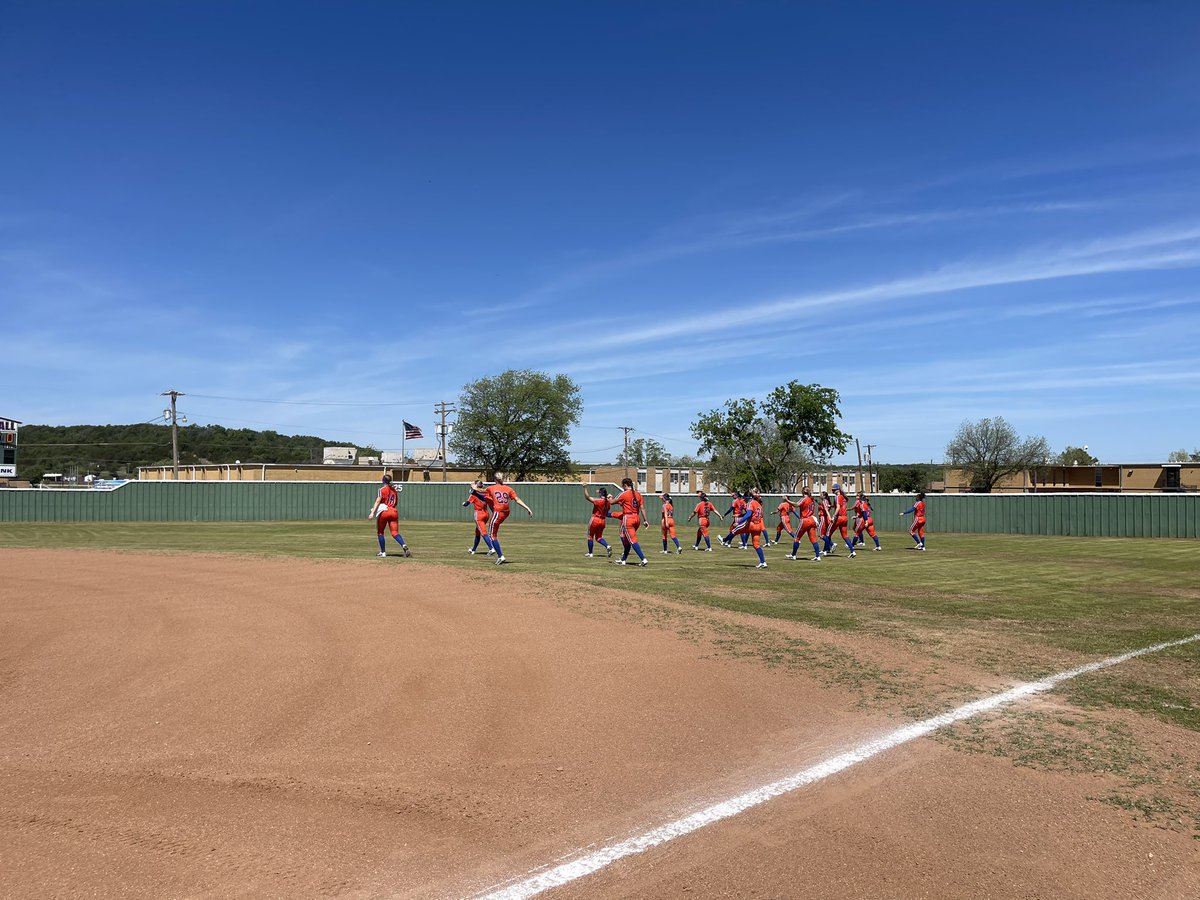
117 451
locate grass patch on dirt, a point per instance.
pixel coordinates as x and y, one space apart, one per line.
1157 788
1112 690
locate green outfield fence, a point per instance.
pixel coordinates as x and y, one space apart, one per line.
1110 515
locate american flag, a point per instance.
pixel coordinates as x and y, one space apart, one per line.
412 432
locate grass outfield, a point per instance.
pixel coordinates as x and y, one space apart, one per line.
1007 604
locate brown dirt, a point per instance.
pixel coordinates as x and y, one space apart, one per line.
177 725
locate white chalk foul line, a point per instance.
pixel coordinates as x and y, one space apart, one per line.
592 862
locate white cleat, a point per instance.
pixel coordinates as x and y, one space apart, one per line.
643 563
922 547
501 561
789 557
610 552
620 562
471 552
853 554
588 555
878 549
815 559
679 551
491 553
761 566
663 552
381 554
407 552
708 549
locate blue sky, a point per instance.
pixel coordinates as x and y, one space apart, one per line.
945 211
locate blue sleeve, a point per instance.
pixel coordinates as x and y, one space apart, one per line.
912 509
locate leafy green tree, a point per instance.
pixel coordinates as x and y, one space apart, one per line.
768 444
1182 456
1075 456
644 452
518 422
990 450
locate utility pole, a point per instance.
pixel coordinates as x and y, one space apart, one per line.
442 408
858 450
626 429
174 416
870 467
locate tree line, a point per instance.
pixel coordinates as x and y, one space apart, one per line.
118 451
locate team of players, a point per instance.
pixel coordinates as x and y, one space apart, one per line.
818 522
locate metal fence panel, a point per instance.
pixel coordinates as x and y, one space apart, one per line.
1118 515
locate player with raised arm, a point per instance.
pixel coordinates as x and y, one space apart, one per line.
808 526
601 506
478 500
840 519
633 506
668 524
918 526
383 511
500 498
864 520
704 509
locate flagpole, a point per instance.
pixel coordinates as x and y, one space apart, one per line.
403 457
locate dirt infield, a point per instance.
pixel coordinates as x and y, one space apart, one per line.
175 725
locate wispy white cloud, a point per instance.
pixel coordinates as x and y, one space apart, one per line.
713 235
1159 248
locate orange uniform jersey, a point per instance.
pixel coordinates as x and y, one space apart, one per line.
632 503
862 509
755 526
919 507
387 516
703 510
600 510
668 520
785 511
500 497
806 507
